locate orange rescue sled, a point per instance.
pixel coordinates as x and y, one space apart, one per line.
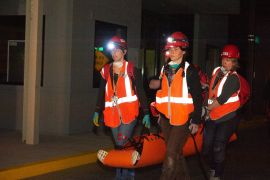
146 150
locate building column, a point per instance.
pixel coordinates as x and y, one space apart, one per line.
32 71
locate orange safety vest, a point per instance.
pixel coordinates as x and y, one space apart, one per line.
174 101
232 104
121 102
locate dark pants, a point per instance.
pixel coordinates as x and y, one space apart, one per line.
215 139
174 165
121 134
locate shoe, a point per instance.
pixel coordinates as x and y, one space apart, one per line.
211 173
128 174
214 178
118 174
135 157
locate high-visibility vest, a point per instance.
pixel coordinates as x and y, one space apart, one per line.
174 101
121 102
231 105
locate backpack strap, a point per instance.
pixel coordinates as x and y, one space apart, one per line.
105 71
130 72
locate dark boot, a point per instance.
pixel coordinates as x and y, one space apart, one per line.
181 169
168 169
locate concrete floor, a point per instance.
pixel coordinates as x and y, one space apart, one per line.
15 153
247 158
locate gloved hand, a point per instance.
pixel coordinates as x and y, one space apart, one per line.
153 109
95 119
205 113
193 128
146 121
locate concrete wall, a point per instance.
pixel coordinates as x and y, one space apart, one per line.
67 97
12 7
55 93
11 101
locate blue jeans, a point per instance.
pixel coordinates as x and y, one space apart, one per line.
125 174
121 134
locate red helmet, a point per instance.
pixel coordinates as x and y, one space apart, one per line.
230 51
177 39
117 42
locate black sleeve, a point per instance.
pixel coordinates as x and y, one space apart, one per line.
195 89
231 86
101 96
138 81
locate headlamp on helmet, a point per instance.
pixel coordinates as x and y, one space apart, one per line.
116 42
111 46
177 39
170 39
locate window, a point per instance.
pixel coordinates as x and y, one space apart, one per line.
12 33
15 61
12 36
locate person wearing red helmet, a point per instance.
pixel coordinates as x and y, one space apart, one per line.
120 97
117 42
179 102
223 103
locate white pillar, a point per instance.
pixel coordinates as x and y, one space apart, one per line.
32 71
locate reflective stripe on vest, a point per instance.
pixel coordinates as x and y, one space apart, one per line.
220 87
231 105
215 70
102 73
173 100
161 73
185 99
129 97
179 100
121 102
